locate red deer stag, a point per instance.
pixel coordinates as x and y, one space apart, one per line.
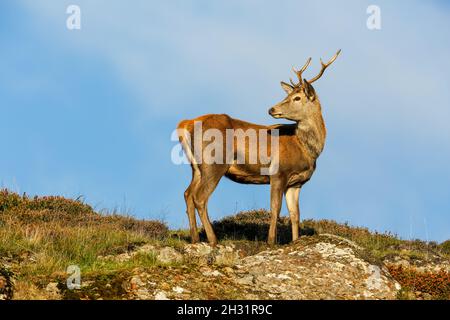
291 163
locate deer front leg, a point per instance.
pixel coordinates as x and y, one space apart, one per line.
276 197
292 195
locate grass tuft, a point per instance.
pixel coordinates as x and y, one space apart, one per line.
42 236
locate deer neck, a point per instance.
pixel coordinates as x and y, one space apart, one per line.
311 133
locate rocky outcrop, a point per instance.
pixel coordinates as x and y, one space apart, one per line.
316 267
319 267
320 270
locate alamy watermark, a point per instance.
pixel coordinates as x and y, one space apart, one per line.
74 280
230 146
374 20
73 21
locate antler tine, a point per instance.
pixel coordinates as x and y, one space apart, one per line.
299 73
324 66
308 62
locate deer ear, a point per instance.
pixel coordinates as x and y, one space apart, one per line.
287 87
309 90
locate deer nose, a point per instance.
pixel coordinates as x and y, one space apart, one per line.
271 110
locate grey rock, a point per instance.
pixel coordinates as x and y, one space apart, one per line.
169 255
52 287
161 295
245 281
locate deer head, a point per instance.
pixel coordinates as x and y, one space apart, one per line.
301 101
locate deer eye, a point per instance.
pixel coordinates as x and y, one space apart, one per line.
297 99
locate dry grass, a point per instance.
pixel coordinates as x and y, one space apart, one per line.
253 226
445 247
42 236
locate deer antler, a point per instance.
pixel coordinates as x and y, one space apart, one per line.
324 66
299 74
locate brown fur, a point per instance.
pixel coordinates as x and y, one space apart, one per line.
300 145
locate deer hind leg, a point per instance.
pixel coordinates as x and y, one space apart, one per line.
210 177
292 195
190 206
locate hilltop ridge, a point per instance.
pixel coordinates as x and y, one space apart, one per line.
121 257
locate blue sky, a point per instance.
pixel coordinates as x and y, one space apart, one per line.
90 112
